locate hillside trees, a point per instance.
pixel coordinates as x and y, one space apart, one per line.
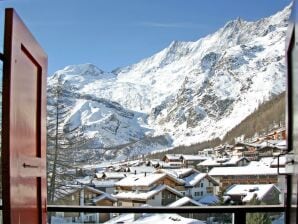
62 139
267 116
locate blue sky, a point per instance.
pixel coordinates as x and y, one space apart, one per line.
116 33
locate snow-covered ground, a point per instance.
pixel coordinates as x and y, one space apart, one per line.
153 218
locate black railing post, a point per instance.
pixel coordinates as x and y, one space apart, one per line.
239 217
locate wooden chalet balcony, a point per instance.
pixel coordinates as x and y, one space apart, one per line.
265 154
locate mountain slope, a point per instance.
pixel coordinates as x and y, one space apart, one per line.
268 117
189 92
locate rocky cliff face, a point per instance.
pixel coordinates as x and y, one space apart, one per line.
186 93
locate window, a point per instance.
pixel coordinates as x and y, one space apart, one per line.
164 196
60 214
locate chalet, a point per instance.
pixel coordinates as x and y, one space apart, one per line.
279 134
171 161
222 150
153 162
172 158
199 185
206 152
191 160
78 195
252 174
242 194
145 182
107 186
270 148
260 148
160 195
222 162
248 150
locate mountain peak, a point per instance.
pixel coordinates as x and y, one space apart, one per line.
234 23
189 90
83 69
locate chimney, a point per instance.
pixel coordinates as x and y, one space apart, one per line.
135 172
145 174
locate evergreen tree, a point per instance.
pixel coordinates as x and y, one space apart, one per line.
224 217
220 196
257 218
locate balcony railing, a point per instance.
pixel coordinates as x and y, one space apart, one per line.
239 212
209 190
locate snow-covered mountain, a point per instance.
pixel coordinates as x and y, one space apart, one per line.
184 94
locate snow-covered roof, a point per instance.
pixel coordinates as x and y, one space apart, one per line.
265 161
104 197
143 196
145 179
281 144
249 190
85 180
194 157
209 200
153 218
184 201
142 169
179 173
221 161
155 161
244 170
170 165
93 190
282 161
195 178
114 175
173 156
208 150
70 189
104 183
99 175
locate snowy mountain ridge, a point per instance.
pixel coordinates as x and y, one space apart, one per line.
187 93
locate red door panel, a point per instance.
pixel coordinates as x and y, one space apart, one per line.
24 125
